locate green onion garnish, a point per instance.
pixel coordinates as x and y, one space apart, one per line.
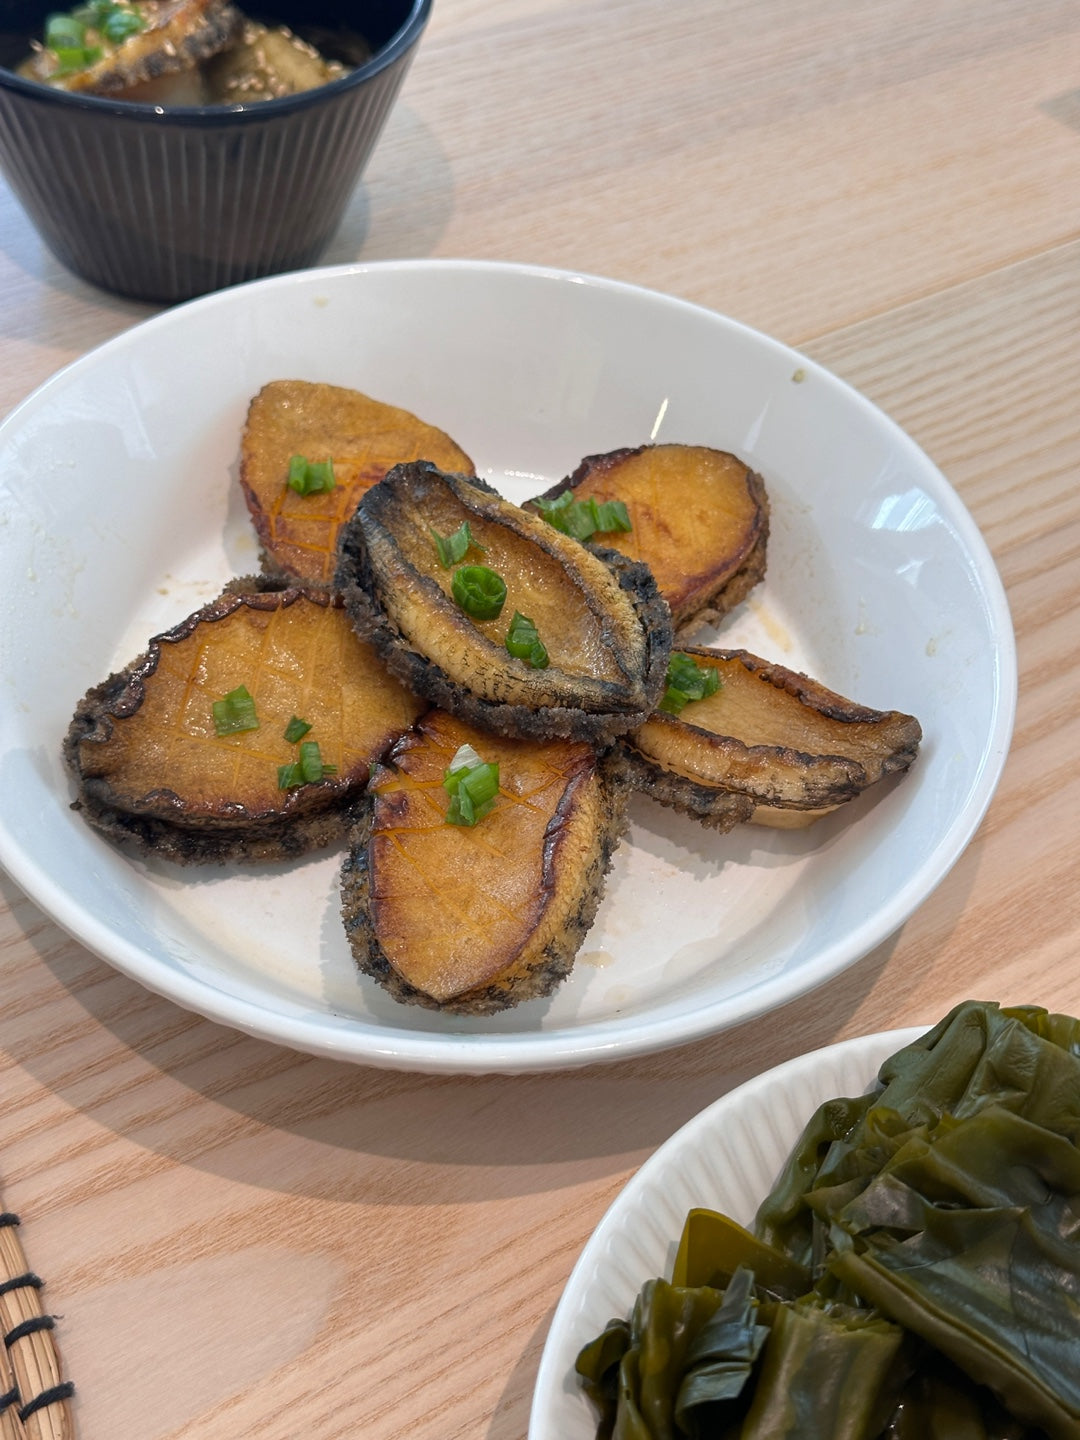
310 477
472 786
64 32
73 37
464 758
118 25
523 641
455 547
611 515
305 771
75 57
686 681
296 729
584 518
235 712
115 21
479 591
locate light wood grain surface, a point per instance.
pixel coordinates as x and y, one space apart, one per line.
244 1241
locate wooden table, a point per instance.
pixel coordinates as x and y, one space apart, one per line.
244 1241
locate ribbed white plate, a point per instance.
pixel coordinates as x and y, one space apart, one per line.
725 1159
120 513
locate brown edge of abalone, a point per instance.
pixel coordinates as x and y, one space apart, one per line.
181 43
514 986
819 697
237 837
732 588
731 592
185 845
274 572
841 778
719 810
355 582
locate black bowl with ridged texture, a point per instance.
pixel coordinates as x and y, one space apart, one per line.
167 203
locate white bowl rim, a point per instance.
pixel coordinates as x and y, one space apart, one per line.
609 1039
870 1050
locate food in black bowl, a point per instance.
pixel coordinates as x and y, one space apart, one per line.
171 148
185 52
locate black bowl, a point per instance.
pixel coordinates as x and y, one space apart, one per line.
166 203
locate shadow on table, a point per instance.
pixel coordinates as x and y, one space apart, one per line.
486 1136
510 1417
399 210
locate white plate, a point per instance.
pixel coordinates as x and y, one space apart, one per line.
120 513
727 1158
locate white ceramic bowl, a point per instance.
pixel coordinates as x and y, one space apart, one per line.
121 513
725 1159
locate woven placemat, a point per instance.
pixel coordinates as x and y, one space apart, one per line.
33 1394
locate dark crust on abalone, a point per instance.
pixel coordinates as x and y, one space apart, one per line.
183 845
720 810
270 584
514 985
356 583
280 577
828 780
178 50
733 590
324 819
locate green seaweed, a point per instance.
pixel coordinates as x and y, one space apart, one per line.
915 1270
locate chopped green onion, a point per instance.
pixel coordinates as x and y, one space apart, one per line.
307 770
523 641
584 518
686 681
235 712
566 514
64 32
455 547
73 37
479 591
120 24
296 729
115 21
611 515
310 477
472 786
311 762
464 757
75 57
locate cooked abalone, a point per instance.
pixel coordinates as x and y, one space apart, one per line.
170 754
474 919
105 50
603 631
699 518
264 62
361 437
769 745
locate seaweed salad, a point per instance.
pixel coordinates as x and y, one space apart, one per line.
914 1272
